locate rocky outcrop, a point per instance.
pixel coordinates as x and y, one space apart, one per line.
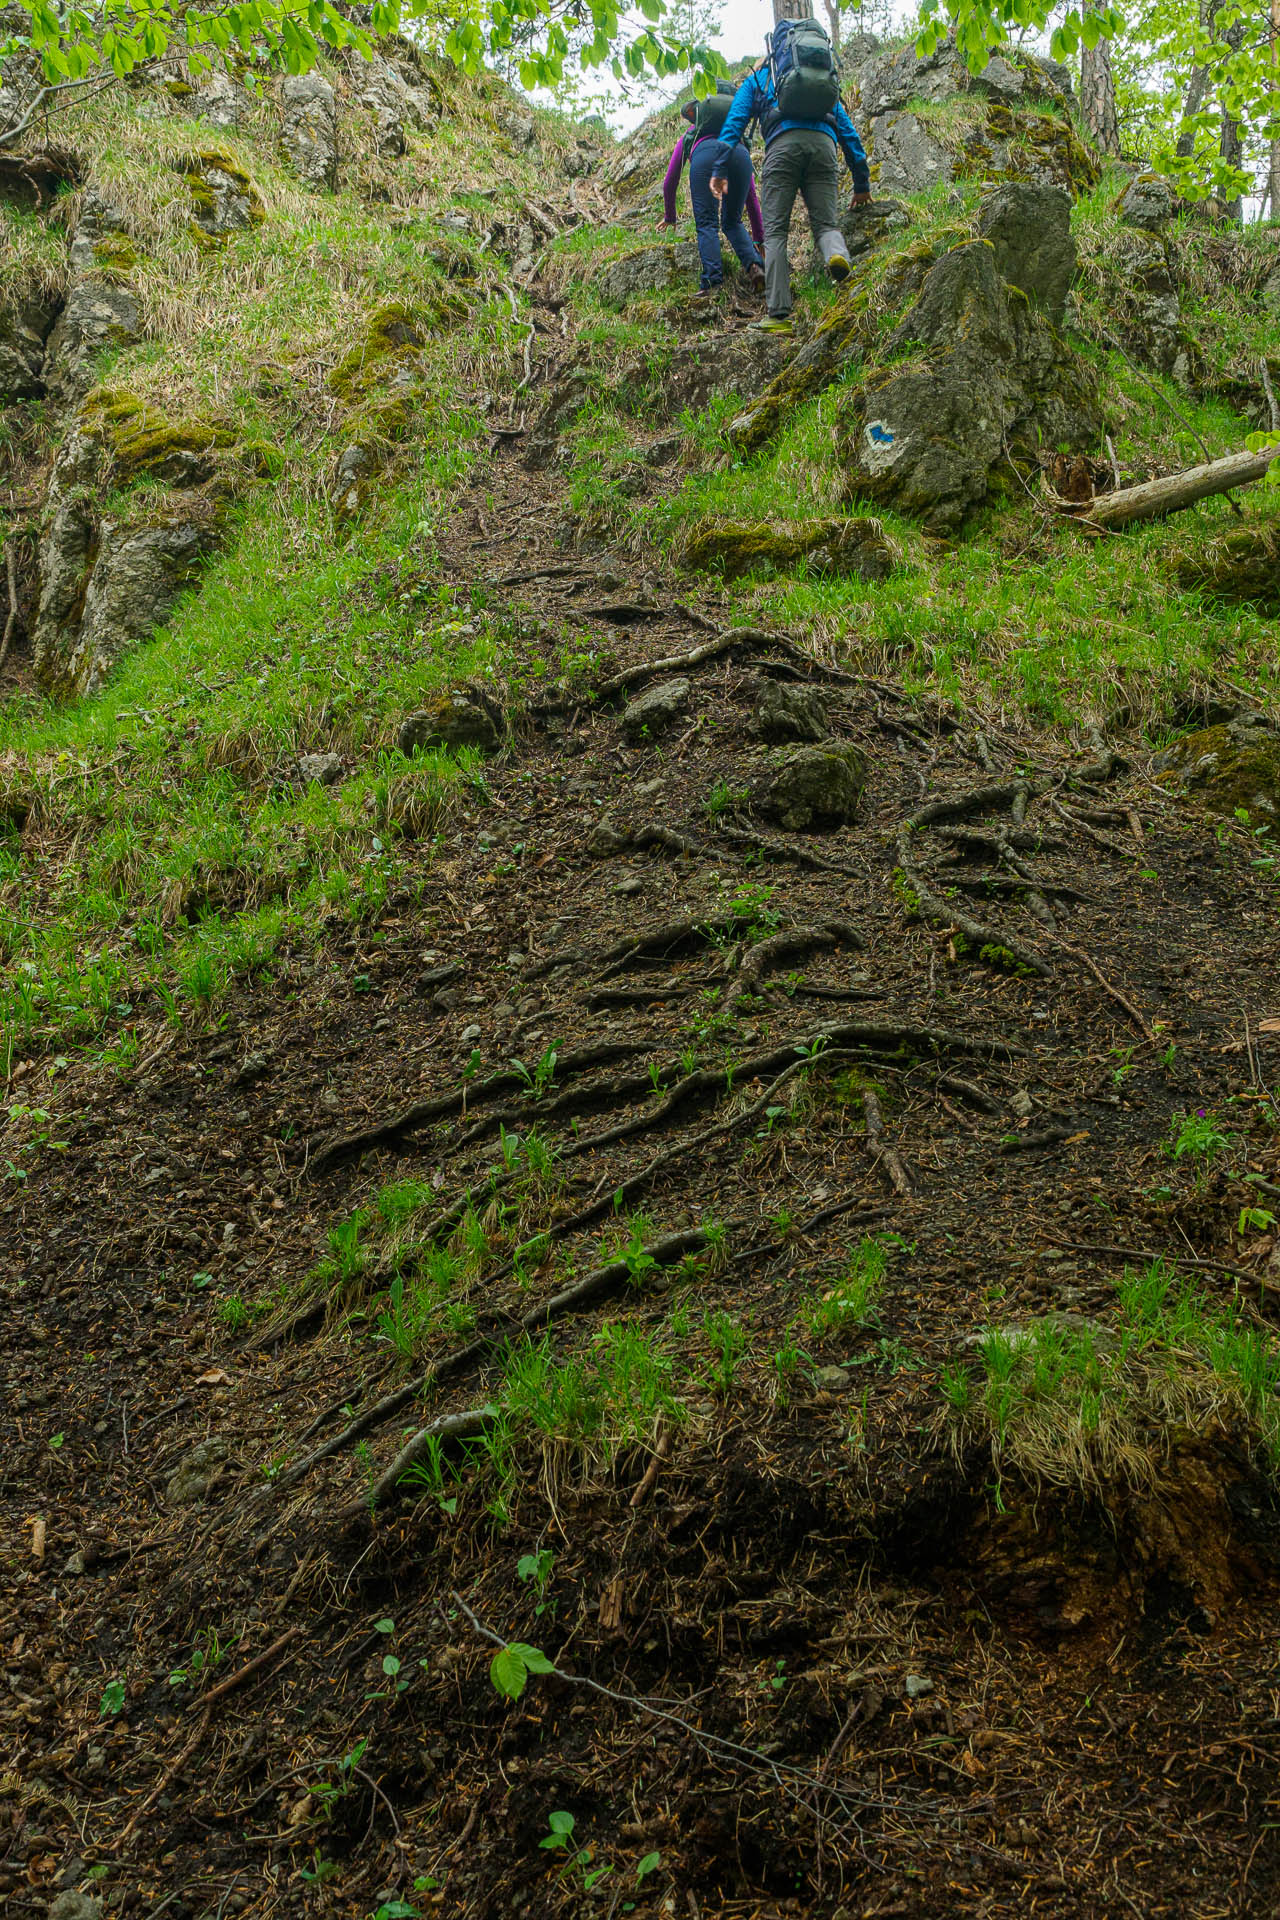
1148 201
975 376
929 120
225 199
1141 300
858 548
107 580
25 324
1028 229
400 102
101 311
219 102
309 127
463 717
648 270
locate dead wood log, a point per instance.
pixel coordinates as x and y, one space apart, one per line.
1155 498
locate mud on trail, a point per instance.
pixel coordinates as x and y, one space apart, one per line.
713 1236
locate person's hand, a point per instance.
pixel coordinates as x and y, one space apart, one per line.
663 225
719 185
860 200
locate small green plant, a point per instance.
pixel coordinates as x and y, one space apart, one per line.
1197 1137
854 1300
727 1338
1255 1220
724 799
577 1860
535 1569
542 1077
112 1701
511 1666
233 1313
774 1682
319 1871
560 1837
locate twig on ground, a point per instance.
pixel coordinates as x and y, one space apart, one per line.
1114 993
886 1154
253 1666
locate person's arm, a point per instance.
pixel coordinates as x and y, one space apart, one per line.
675 167
737 120
852 147
754 219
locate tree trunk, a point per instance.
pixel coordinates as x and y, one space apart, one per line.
1231 142
832 10
1154 498
1198 84
1098 92
1273 171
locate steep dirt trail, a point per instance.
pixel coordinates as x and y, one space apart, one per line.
939 1700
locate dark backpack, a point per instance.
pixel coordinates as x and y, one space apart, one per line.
802 67
714 110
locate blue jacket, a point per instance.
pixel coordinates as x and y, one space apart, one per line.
753 101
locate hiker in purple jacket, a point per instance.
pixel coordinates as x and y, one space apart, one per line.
710 214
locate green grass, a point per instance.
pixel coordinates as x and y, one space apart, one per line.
1092 1406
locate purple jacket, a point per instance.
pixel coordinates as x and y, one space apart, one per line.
672 181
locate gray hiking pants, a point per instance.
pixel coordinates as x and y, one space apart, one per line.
801 161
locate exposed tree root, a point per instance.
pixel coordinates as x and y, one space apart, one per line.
784 850
883 1151
770 955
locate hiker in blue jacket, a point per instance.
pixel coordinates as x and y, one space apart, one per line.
795 96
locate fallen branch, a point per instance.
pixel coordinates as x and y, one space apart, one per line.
253 1666
1155 498
886 1154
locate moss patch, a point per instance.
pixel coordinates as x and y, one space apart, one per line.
395 335
142 440
1241 566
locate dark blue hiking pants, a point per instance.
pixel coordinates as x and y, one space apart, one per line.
710 214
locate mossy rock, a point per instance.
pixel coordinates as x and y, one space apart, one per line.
142 440
225 198
857 547
1240 566
394 337
811 788
1227 768
1029 146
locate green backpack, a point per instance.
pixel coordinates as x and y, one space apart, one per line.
714 110
802 67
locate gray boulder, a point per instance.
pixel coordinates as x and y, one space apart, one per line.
309 127
650 270
1029 230
812 787
656 709
463 717
1147 312
888 82
226 200
69 1905
192 1479
906 156
1148 201
785 711
396 103
101 312
326 770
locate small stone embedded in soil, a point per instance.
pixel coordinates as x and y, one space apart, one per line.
785 712
917 1685
657 708
832 1379
1022 1104
631 885
460 718
324 768
74 1906
812 787
190 1482
468 1034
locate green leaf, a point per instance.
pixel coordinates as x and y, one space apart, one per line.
385 1625
508 1672
112 1697
647 1866
535 1661
390 1665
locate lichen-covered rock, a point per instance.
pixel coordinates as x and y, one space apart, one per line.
1029 230
649 270
656 709
888 82
1148 201
785 711
101 311
225 198
396 103
1223 768
1144 306
218 101
107 584
812 787
984 377
309 127
25 323
858 547
463 717
1239 566
192 1479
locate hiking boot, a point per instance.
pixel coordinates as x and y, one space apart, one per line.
771 325
838 267
708 293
